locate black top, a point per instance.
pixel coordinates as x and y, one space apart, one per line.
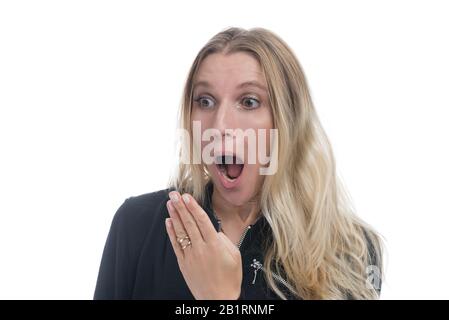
139 262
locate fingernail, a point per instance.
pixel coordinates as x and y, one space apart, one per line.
186 199
174 197
167 222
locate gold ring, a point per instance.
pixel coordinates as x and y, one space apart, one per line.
186 245
181 239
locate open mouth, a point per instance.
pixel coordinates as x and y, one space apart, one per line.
230 166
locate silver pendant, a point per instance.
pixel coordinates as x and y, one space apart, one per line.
257 266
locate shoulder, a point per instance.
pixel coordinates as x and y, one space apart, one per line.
137 215
134 220
142 208
374 247
374 268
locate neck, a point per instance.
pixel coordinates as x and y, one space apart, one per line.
245 214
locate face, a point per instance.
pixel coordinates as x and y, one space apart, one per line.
230 93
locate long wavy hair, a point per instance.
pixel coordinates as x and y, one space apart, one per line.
318 243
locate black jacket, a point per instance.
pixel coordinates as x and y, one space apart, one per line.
139 262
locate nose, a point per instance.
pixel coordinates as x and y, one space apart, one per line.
224 118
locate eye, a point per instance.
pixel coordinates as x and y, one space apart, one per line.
250 103
205 102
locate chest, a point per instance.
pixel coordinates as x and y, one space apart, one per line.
158 275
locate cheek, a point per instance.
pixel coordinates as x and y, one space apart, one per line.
253 179
196 117
262 126
268 126
199 119
199 115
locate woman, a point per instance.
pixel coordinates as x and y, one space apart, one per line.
227 229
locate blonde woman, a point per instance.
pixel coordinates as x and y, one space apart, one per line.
231 228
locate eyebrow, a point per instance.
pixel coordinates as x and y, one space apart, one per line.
252 83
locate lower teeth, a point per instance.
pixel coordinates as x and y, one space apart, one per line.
225 174
229 178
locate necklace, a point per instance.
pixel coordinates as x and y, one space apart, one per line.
242 237
220 225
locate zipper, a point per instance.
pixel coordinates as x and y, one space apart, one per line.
257 265
242 237
239 244
246 231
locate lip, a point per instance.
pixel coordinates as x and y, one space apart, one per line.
229 185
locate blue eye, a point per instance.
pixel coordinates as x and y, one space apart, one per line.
250 103
205 102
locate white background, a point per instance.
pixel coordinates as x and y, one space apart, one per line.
89 92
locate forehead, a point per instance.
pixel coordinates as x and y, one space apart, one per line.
223 70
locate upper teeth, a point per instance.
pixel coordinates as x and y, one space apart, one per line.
228 159
225 159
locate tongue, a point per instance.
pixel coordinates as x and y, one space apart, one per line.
234 170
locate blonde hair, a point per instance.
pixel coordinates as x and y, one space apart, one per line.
320 246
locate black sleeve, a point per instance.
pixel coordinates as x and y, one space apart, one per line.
374 269
111 281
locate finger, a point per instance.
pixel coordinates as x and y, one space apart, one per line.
202 220
176 220
186 218
171 234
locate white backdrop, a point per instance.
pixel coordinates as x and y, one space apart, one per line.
89 92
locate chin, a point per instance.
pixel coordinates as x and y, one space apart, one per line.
236 197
